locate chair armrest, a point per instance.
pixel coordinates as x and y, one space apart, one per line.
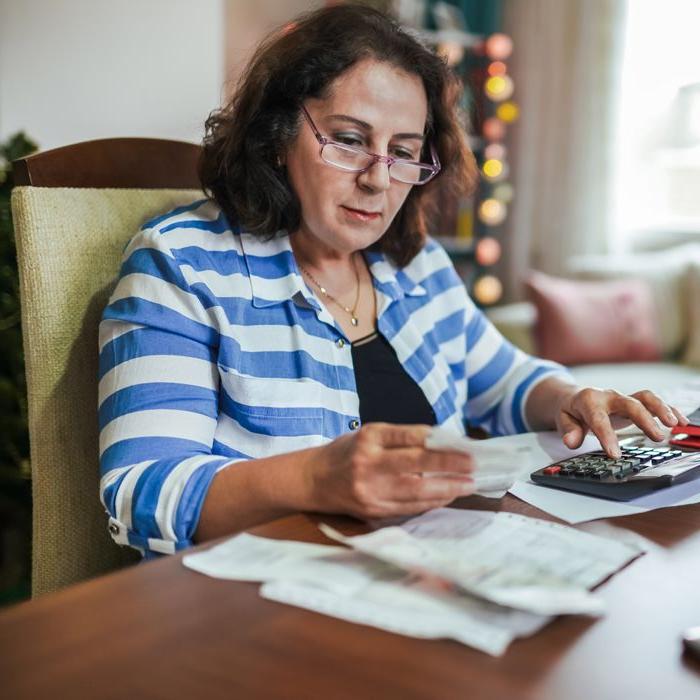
516 323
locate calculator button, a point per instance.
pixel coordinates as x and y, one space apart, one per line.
658 460
555 469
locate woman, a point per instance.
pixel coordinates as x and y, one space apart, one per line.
286 344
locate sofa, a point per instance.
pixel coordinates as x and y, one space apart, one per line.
625 322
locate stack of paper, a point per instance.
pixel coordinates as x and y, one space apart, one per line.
480 578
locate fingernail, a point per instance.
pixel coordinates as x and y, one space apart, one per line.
672 417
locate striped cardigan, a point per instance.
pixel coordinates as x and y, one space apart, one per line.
213 350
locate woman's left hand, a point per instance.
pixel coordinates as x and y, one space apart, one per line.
604 411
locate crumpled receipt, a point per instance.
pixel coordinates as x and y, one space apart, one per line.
495 467
507 559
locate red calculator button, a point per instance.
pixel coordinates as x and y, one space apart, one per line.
552 470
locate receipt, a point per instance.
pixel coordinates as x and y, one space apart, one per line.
352 586
504 558
416 607
496 466
250 558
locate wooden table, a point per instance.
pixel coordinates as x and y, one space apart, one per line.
159 630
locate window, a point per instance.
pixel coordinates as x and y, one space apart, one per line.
657 158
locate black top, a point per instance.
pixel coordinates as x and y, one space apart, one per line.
387 393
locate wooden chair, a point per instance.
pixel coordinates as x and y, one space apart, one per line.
74 210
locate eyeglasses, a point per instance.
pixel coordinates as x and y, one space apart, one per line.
357 160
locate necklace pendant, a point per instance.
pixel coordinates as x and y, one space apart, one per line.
354 321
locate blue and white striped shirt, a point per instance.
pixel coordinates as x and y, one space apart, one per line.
213 350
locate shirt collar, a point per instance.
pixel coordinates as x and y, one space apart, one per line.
275 276
273 271
394 282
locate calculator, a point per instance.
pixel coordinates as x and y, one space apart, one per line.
638 471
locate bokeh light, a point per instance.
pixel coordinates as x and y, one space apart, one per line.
508 112
492 212
493 129
488 289
504 192
498 47
499 87
488 251
495 150
493 168
497 68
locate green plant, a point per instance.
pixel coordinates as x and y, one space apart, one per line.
14 447
15 491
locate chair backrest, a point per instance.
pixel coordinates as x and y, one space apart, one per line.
74 210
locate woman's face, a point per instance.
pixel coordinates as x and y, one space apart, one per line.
374 106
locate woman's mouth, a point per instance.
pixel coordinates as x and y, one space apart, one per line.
361 214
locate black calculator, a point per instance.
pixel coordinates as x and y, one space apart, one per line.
637 472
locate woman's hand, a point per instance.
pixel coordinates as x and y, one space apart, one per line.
604 411
378 472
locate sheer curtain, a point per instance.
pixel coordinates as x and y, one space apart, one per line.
657 163
566 67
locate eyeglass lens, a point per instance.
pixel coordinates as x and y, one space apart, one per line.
351 159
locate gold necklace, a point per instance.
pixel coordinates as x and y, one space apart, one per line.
349 310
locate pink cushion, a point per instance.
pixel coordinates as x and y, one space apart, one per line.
586 322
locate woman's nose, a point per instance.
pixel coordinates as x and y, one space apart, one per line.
376 177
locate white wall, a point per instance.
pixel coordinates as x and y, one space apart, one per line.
248 21
72 70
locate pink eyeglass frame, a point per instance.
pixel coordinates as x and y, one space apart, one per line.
376 158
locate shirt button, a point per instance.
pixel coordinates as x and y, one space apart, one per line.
340 343
354 424
114 528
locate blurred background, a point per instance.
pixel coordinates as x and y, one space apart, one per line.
584 116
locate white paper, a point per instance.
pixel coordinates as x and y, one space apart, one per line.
508 559
500 461
250 558
578 508
349 585
416 607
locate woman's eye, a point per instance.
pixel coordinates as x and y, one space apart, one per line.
404 154
348 139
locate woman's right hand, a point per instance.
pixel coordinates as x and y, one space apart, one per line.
378 472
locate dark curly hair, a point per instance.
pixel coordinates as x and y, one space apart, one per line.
239 163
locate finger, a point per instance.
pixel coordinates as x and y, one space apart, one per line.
407 460
571 430
682 418
656 406
633 408
414 488
392 435
598 422
444 461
